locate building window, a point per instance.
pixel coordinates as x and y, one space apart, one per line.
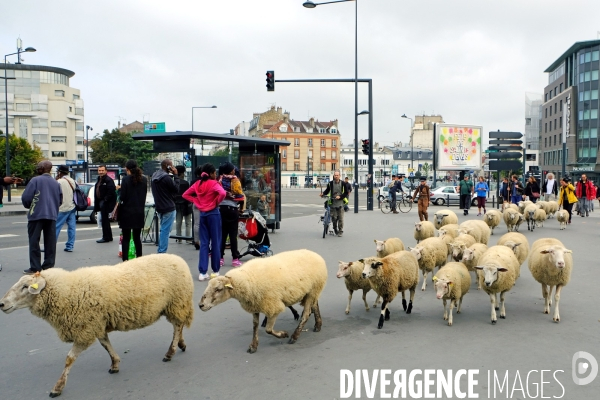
554 123
333 130
296 166
58 139
23 128
322 142
560 122
333 142
284 153
323 166
561 105
550 110
80 141
59 93
59 154
78 111
333 166
546 113
75 97
333 154
545 97
296 142
321 130
555 105
555 140
284 166
561 87
322 154
296 154
79 126
80 155
560 138
58 124
545 127
23 107
310 143
39 107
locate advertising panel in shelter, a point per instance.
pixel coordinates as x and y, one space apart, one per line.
458 147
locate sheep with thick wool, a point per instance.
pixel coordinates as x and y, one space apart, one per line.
430 253
395 273
551 265
444 217
387 247
352 274
89 303
552 208
506 205
544 205
523 205
424 230
459 245
450 230
476 228
269 285
452 282
535 216
498 266
519 244
562 216
471 258
492 219
512 219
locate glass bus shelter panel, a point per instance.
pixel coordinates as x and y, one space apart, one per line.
259 172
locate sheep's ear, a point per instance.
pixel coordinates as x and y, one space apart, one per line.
517 244
545 252
362 261
410 248
38 285
567 251
375 240
377 264
229 285
502 269
478 267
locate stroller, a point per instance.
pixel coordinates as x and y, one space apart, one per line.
252 228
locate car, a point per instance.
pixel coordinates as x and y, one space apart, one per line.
444 194
384 191
88 189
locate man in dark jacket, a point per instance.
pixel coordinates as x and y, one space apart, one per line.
43 197
165 186
105 200
515 190
336 189
183 207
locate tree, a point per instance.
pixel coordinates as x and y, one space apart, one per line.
116 147
426 168
23 157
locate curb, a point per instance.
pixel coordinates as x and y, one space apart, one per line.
10 213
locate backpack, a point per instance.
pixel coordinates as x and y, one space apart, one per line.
79 198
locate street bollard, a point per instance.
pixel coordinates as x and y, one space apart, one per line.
448 200
493 201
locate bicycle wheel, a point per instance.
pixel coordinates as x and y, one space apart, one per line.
326 220
386 206
405 204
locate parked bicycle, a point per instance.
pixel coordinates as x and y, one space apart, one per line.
403 204
325 219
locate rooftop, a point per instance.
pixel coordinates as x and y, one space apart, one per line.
573 49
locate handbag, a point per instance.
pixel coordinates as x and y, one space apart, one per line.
535 195
114 216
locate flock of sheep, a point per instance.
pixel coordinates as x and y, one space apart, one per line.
87 304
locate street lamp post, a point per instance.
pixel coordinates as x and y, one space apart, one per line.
87 160
6 78
411 140
310 4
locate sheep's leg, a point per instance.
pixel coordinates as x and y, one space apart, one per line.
445 310
384 313
181 343
497 302
173 347
114 357
493 301
452 302
459 305
350 299
546 296
557 298
550 290
71 357
271 323
303 320
378 301
425 273
403 301
293 310
264 323
254 344
502 309
364 297
412 296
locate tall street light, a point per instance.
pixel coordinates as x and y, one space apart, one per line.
19 51
310 4
87 160
193 114
411 140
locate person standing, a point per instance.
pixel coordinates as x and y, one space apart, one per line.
207 194
482 189
550 187
165 186
43 197
348 191
183 208
66 212
465 190
532 190
504 192
566 196
229 211
397 187
134 188
515 189
105 201
585 194
336 190
424 196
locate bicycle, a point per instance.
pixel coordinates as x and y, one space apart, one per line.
325 219
404 204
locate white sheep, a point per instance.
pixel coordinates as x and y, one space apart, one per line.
512 219
424 230
444 217
492 218
529 214
430 253
452 282
395 273
506 205
551 264
523 205
460 244
389 246
88 303
562 216
352 272
539 217
450 230
552 208
269 285
471 258
499 274
476 228
518 243
544 205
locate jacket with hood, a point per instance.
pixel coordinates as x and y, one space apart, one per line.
164 189
205 195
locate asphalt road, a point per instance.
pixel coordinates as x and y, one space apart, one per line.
216 365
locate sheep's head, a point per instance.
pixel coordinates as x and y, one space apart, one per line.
556 255
443 286
490 273
418 226
371 266
512 215
468 254
531 212
439 217
380 244
344 268
512 245
22 294
442 233
464 231
219 289
457 250
417 252
489 217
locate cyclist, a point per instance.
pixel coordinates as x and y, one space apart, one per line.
423 191
396 187
336 189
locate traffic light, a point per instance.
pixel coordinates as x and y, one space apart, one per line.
270 81
366 145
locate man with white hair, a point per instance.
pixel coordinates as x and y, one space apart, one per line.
336 189
550 187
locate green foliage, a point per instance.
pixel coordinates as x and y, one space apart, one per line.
235 153
116 147
23 157
426 168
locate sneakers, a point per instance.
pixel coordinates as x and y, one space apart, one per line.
203 277
340 234
479 215
236 263
214 275
222 262
29 271
69 250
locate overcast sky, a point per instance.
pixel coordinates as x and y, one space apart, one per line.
472 61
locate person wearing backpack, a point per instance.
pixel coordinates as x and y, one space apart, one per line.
66 211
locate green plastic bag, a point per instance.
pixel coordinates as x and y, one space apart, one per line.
131 249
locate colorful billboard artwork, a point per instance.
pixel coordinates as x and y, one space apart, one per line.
459 147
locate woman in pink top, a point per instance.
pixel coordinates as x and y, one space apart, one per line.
206 194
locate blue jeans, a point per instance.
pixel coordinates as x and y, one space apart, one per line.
210 237
166 223
515 199
69 218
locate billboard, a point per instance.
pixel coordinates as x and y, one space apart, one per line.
458 147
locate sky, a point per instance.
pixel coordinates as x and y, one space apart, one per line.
471 61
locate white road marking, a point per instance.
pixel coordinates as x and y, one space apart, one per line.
8 235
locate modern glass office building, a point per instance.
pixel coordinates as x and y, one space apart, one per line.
44 109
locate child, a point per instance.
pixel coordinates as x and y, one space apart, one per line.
263 206
229 209
206 194
231 183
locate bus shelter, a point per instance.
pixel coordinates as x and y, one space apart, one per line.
257 159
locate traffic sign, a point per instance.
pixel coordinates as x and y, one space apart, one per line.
505 165
504 148
154 127
505 135
509 142
490 150
508 154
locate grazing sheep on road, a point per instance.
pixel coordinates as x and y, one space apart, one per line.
471 258
389 246
529 214
512 219
89 303
444 217
492 218
476 228
452 282
562 216
518 243
395 273
460 244
523 205
551 264
352 272
430 253
269 285
424 230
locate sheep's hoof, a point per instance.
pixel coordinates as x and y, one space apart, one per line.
556 319
449 323
493 322
366 309
496 308
409 308
317 329
53 394
445 318
251 350
458 312
113 371
348 311
380 324
404 304
546 312
422 289
503 316
166 359
291 341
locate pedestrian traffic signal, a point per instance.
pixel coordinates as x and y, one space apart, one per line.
270 81
366 145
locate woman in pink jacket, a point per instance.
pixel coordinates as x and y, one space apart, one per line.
206 194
